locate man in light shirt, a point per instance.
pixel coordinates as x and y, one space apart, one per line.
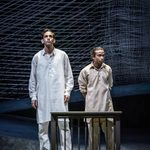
50 84
95 81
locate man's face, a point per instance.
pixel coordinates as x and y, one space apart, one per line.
98 59
48 39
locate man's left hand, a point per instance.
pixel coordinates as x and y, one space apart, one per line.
66 98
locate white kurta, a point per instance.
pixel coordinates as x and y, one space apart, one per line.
51 78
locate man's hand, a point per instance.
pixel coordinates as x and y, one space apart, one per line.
34 104
66 98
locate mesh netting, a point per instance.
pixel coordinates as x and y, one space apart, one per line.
121 27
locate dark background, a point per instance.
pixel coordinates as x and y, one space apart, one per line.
122 27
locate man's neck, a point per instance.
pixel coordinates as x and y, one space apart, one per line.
97 66
49 49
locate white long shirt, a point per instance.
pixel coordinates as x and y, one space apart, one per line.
51 78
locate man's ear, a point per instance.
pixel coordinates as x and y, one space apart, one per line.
54 41
42 41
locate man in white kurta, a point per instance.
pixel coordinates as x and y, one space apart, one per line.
50 85
95 81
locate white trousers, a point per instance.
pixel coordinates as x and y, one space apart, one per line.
64 134
94 128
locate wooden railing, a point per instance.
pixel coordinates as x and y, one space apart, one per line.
77 119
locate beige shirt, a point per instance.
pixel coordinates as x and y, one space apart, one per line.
95 85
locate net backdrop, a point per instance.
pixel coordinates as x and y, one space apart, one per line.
122 27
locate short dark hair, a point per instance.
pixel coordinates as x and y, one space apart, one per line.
47 30
95 49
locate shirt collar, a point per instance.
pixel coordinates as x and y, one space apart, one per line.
52 54
93 67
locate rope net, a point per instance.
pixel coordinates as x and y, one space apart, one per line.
121 27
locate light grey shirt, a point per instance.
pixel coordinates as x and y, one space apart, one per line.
51 78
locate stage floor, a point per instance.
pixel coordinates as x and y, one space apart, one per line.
21 134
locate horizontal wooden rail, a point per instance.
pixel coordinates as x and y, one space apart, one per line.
82 115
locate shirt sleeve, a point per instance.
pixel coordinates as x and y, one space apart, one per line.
69 81
82 81
32 79
110 78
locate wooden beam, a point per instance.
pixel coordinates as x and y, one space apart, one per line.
119 91
76 96
131 90
15 105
